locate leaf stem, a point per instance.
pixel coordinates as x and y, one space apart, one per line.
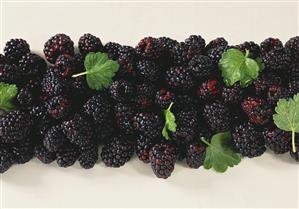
170 106
205 141
246 53
79 74
293 141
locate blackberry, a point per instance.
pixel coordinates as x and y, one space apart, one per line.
9 74
6 159
32 65
54 138
147 70
253 48
22 152
88 156
195 155
3 60
179 78
78 130
292 45
25 97
275 93
38 113
90 43
58 107
201 66
218 42
264 81
41 153
15 49
248 140
277 140
58 45
149 47
277 59
196 44
294 155
126 69
127 52
79 62
112 49
145 93
162 159
67 155
184 101
65 65
233 94
123 115
163 98
121 90
257 110
15 126
98 107
209 89
182 136
270 44
149 124
180 55
143 147
293 78
217 116
80 90
104 133
215 54
167 44
117 152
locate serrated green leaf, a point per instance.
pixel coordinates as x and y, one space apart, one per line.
219 153
7 94
99 70
170 124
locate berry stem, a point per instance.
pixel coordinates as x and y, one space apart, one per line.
293 141
79 74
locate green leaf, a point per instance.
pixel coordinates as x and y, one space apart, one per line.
99 70
219 153
7 94
287 116
170 124
237 67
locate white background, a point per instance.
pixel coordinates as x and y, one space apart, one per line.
266 182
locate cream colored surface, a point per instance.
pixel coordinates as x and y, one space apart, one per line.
266 182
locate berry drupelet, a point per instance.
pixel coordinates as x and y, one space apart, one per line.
233 94
121 90
65 65
201 66
148 123
15 49
215 53
196 45
270 44
149 47
292 45
143 147
179 78
277 59
209 90
25 97
123 115
32 65
145 93
88 156
163 98
90 43
147 70
195 155
112 49
218 42
59 107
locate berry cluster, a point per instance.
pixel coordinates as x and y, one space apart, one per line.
61 118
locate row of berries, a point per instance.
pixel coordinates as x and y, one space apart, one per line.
60 118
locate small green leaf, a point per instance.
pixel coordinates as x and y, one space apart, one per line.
219 153
170 124
7 93
99 70
237 67
287 116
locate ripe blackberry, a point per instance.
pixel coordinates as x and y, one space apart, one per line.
179 54
215 53
78 130
196 44
149 124
38 113
112 49
147 70
58 45
167 44
67 155
126 69
65 65
22 152
79 62
195 155
253 48
41 153
257 110
162 158
117 152
88 156
248 140
25 97
15 126
32 65
15 48
90 43
98 107
184 101
6 159
217 116
104 133
277 140
292 45
143 147
54 138
293 78
270 44
275 93
9 74
182 136
201 66
127 52
144 97
179 78
277 59
218 42
58 107
80 91
149 47
209 89
233 94
123 115
121 90
264 81
3 60
163 98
